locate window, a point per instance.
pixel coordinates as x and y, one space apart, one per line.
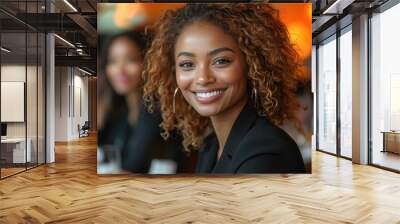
346 93
385 89
327 95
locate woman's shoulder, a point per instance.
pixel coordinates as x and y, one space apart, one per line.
264 135
268 148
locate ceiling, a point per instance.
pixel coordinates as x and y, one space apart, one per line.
79 27
72 20
332 15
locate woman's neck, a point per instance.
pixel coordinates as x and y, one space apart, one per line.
223 123
133 103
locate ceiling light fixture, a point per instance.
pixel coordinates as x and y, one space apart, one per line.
84 71
64 40
337 7
5 49
70 5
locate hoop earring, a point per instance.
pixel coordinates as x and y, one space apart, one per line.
173 100
254 96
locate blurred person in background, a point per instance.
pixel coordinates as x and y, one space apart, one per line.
226 77
124 123
302 136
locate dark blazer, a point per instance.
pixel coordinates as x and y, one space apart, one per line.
141 143
254 145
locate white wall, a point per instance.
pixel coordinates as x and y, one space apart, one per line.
33 126
61 103
80 110
12 73
16 73
12 101
71 94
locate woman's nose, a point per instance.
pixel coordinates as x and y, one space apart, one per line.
120 67
204 76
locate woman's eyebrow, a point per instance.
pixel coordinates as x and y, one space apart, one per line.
211 53
218 50
184 53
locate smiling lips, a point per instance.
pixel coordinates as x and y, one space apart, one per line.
123 79
208 96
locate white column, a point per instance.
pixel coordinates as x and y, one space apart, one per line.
50 93
50 110
360 90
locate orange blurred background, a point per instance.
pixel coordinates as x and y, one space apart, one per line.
296 16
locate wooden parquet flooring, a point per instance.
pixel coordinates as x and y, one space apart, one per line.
10 171
70 191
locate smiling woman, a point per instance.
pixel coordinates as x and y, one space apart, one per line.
225 76
210 69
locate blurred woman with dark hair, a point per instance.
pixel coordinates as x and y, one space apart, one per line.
119 91
124 124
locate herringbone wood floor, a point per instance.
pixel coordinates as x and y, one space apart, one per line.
70 191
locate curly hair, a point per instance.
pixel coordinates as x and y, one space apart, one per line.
274 66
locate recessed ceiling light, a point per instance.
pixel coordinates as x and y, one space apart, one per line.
337 7
70 5
64 40
84 71
5 49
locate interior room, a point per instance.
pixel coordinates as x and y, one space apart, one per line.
22 99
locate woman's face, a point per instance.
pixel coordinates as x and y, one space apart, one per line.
210 69
124 65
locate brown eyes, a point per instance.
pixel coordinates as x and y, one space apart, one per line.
186 65
219 63
222 61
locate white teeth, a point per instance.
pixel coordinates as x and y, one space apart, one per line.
209 94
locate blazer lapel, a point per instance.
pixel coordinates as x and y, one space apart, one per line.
239 130
208 155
